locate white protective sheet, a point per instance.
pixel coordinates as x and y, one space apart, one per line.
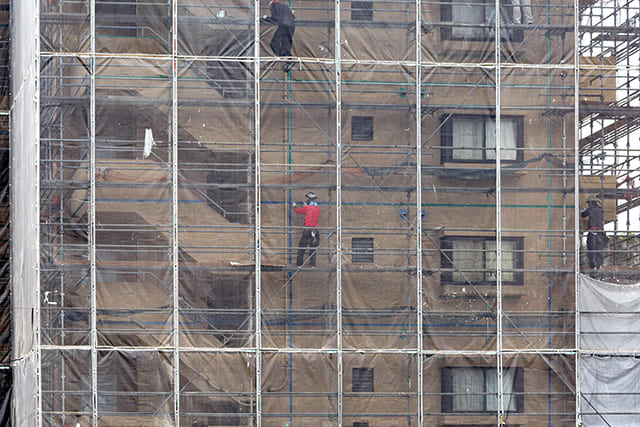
609 382
24 211
609 315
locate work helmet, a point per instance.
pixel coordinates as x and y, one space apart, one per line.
593 199
311 196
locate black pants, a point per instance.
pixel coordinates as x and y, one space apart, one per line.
310 239
596 242
281 41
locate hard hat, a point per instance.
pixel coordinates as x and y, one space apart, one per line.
593 199
311 195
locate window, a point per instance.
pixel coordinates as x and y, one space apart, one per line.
474 258
362 128
475 389
478 19
468 138
362 379
362 249
361 11
361 424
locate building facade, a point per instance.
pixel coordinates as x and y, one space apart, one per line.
157 150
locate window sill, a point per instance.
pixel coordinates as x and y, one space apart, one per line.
487 291
478 170
469 419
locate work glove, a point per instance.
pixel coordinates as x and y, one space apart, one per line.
293 204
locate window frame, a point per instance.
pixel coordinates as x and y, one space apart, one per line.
506 12
446 258
362 255
448 393
362 136
363 372
360 13
446 138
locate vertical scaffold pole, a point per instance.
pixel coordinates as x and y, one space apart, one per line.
174 210
498 64
37 299
257 229
338 77
92 218
576 199
418 124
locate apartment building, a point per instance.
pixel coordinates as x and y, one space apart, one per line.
156 152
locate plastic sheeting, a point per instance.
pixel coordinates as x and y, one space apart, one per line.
609 378
608 316
5 284
5 238
24 214
4 54
162 271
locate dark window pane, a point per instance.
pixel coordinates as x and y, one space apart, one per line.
361 11
362 379
362 249
362 128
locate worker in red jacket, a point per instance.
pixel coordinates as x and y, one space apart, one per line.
310 237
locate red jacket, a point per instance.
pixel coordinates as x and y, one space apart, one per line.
311 214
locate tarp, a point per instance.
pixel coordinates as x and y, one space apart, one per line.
609 343
609 315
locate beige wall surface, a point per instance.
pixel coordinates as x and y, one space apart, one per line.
320 325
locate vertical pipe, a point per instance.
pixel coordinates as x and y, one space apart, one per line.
419 297
338 77
576 200
175 218
498 63
92 217
257 212
287 76
37 299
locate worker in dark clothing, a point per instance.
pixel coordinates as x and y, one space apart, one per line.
310 237
596 238
281 42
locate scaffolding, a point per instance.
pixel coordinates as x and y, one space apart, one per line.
5 306
451 151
